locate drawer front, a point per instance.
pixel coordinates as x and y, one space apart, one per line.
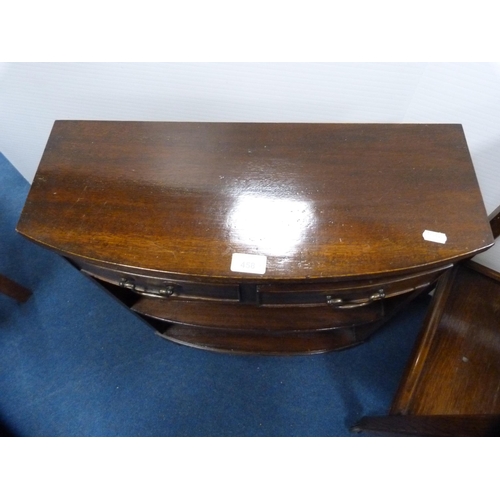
157 287
339 295
346 295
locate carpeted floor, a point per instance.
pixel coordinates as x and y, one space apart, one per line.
73 362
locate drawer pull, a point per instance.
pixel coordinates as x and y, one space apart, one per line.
343 304
127 283
164 291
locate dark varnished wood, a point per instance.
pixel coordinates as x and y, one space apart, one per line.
267 343
495 223
248 317
457 369
180 198
432 425
274 294
282 340
14 290
338 211
452 383
211 332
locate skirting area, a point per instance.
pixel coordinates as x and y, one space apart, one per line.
74 362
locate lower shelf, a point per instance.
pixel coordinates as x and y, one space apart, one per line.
243 329
268 343
245 317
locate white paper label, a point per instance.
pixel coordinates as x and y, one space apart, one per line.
434 236
247 263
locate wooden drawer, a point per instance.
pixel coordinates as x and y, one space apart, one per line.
338 295
346 295
158 287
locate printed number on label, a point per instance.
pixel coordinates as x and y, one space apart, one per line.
248 263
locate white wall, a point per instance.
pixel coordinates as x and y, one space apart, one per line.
33 95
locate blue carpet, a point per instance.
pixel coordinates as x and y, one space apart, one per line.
74 362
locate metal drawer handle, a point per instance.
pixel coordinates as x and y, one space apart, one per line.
164 291
127 283
342 304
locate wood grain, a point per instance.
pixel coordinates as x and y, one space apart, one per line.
337 211
457 369
319 200
451 385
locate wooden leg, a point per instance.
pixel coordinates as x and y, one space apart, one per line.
430 425
13 289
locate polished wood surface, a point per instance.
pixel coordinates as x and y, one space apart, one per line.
451 386
14 290
318 200
277 334
457 369
277 338
334 213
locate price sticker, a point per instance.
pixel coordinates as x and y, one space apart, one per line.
434 236
248 263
